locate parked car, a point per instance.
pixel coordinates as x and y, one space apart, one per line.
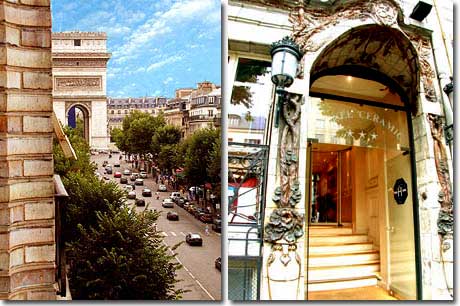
146 192
143 174
198 212
206 218
180 202
126 172
167 203
218 263
194 239
191 208
123 180
162 187
216 225
175 195
131 195
139 182
139 202
117 174
172 216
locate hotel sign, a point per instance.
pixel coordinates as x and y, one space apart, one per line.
400 191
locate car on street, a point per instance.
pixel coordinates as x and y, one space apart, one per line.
216 225
139 202
206 218
181 201
175 195
131 195
143 174
146 192
126 172
123 180
108 169
129 188
172 216
139 182
162 187
218 263
198 212
194 239
117 174
116 164
167 203
190 208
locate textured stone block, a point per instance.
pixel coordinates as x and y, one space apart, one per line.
29 190
37 80
36 38
40 253
29 58
4 284
4 241
29 145
31 235
38 167
17 214
10 124
35 211
48 295
4 261
13 35
26 103
37 124
36 2
27 16
4 216
17 257
29 278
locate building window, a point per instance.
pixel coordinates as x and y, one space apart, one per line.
77 42
119 111
210 113
112 112
126 111
320 123
211 100
252 141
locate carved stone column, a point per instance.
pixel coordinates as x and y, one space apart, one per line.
285 224
27 246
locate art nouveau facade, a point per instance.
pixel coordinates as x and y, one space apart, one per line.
359 176
79 82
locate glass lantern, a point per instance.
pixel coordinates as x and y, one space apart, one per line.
285 58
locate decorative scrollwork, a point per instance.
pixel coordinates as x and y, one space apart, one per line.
285 223
446 217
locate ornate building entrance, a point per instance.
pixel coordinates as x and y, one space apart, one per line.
79 78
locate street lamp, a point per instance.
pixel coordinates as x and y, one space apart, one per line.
286 55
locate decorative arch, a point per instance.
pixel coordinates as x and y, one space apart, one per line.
373 52
86 109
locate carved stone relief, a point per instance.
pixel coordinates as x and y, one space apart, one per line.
75 83
79 63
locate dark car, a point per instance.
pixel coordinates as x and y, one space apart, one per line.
206 218
198 213
218 263
140 202
108 170
146 192
123 180
194 239
216 225
173 216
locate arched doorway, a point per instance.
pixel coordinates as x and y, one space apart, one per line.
361 206
78 118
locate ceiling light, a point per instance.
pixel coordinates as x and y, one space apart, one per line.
349 78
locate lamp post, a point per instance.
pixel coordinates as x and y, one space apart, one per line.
285 59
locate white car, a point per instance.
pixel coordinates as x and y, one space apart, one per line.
131 195
143 174
162 187
126 172
175 195
139 182
128 188
167 203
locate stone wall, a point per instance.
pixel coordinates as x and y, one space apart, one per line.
27 246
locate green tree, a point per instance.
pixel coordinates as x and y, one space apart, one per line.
123 258
164 146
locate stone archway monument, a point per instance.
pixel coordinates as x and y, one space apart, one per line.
79 79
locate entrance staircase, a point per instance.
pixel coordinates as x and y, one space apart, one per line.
339 259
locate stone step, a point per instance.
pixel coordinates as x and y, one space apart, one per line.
340 248
337 273
337 239
343 284
346 259
329 230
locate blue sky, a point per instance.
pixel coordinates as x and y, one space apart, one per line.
156 45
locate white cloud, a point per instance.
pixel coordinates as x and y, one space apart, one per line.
168 80
166 61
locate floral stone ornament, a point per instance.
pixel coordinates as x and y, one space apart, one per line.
284 223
